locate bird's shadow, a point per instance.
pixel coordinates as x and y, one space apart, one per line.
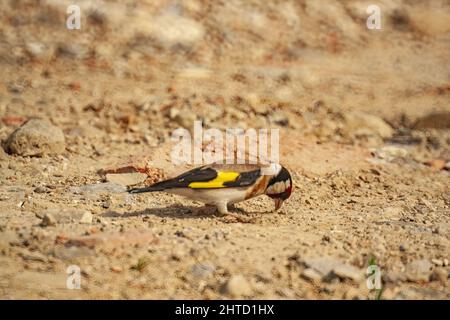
174 211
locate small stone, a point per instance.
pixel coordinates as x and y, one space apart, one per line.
436 164
35 49
353 294
393 277
427 204
419 271
201 270
116 269
311 274
358 123
390 153
442 228
286 293
238 286
48 220
126 179
33 256
447 165
437 262
344 271
86 218
392 213
106 204
440 274
72 50
186 118
36 138
323 265
41 189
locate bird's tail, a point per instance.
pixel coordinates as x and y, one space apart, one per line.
159 186
142 190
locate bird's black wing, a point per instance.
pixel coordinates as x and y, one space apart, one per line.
244 179
201 174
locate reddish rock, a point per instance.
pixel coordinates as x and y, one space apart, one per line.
436 164
13 120
137 164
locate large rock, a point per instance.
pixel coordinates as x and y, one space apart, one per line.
36 138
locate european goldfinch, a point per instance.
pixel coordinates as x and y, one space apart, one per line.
225 184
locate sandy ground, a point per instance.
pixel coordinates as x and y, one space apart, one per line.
365 131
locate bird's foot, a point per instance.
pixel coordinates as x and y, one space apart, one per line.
229 217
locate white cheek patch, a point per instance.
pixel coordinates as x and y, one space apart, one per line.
287 183
278 187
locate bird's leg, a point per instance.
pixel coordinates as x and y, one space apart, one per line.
222 207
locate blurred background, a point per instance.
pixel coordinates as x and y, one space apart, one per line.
291 63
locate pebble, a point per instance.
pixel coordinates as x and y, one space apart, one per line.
41 190
447 165
186 118
419 270
427 204
72 50
202 270
33 256
323 265
36 138
35 49
437 262
116 269
48 220
393 277
440 274
86 218
344 271
358 123
436 164
390 153
311 274
238 286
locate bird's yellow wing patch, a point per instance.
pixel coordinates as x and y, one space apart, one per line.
218 182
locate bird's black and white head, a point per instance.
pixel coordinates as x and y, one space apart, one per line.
280 185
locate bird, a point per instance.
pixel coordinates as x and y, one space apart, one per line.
223 184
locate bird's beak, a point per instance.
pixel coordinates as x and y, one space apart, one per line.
278 203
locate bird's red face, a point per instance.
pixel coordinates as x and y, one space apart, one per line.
280 187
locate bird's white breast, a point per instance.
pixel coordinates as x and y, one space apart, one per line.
229 195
